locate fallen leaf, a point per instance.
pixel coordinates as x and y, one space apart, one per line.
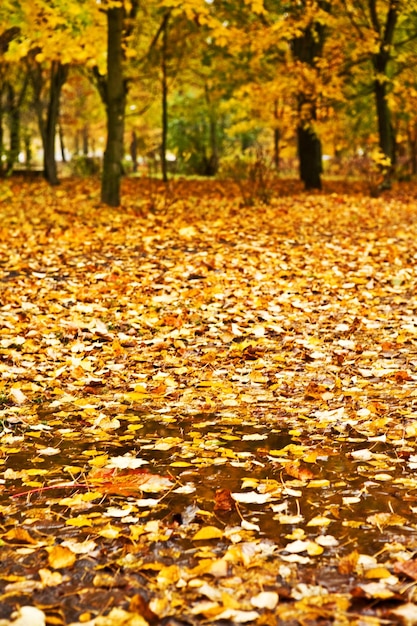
208 532
60 557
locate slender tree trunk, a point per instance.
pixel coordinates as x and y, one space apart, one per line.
134 151
28 151
62 144
115 99
164 68
85 140
212 162
59 74
277 137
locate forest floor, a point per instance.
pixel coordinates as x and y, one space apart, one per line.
207 410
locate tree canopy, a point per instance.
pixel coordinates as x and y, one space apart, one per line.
202 82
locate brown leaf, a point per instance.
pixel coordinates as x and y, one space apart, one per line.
314 391
223 501
298 472
348 563
409 568
19 535
139 605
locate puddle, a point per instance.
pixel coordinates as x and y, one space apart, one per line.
205 453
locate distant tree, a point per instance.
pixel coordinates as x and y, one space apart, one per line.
307 48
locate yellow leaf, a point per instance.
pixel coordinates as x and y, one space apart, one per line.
59 557
378 572
180 464
208 532
81 520
319 483
19 535
99 461
135 396
319 520
313 549
169 575
109 532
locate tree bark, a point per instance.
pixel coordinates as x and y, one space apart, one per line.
385 128
134 152
14 104
14 128
380 62
307 47
309 153
59 74
115 100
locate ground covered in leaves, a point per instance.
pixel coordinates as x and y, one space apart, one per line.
207 409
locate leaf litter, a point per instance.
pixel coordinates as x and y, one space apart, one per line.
208 412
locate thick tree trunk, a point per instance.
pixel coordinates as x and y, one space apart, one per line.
59 74
115 99
309 154
307 48
380 62
383 112
385 129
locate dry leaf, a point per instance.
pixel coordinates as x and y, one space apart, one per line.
60 556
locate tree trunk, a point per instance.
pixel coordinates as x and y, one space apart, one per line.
277 136
134 151
14 128
212 162
62 144
115 99
309 154
307 48
59 74
85 140
385 129
14 104
380 61
28 151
